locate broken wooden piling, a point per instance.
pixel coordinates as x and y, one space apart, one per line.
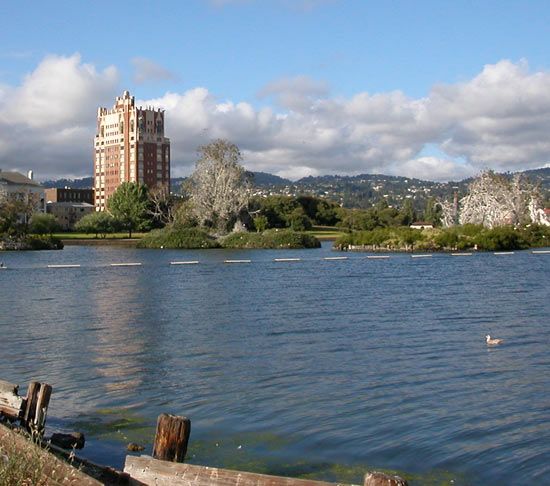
171 438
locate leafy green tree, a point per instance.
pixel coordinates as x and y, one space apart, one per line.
448 238
433 212
410 236
501 238
326 213
98 223
298 220
10 217
43 224
129 205
407 215
260 223
184 216
276 209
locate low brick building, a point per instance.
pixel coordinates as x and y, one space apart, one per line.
69 205
68 213
66 194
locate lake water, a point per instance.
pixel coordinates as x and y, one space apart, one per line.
315 368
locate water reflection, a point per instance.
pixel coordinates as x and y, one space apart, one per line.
356 362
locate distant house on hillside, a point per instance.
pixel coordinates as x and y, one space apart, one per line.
16 186
421 225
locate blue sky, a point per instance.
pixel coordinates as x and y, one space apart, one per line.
293 58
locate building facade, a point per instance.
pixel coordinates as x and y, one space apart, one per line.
129 146
69 205
16 186
68 195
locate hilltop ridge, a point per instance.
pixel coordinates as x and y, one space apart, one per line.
361 191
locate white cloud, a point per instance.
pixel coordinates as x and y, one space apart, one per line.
296 94
432 168
500 119
146 71
48 122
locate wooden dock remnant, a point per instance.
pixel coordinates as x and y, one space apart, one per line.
162 473
171 437
31 410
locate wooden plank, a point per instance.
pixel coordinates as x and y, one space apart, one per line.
8 387
53 471
171 437
11 404
162 473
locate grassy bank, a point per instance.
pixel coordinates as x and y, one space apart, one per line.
464 237
90 236
195 238
326 232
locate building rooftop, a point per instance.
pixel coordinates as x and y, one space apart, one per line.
16 178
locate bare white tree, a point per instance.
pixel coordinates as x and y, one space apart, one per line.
163 206
493 200
219 188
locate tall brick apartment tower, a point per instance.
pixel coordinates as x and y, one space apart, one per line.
129 146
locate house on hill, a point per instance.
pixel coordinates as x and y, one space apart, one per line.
421 225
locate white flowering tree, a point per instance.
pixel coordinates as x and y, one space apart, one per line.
219 188
494 200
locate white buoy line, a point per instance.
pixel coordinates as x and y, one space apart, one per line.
69 265
277 260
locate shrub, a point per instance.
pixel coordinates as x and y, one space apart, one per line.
99 223
43 224
274 239
44 243
501 238
174 236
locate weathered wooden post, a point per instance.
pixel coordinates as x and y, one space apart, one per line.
171 438
375 478
36 407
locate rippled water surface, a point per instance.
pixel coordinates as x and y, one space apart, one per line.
313 368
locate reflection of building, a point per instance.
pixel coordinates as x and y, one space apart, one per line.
129 146
16 186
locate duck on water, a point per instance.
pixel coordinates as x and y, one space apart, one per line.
493 341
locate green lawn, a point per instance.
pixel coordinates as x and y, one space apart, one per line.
321 232
326 232
84 236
